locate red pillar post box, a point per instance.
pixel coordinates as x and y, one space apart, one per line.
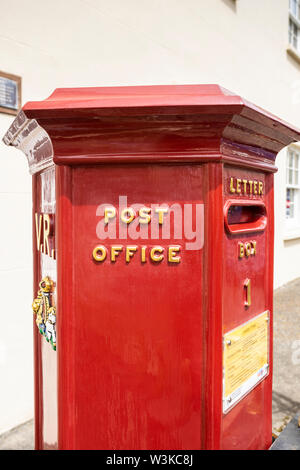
153 266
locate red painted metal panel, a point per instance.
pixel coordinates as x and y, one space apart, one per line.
45 359
248 425
137 365
67 349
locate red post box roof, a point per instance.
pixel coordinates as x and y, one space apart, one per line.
148 123
164 97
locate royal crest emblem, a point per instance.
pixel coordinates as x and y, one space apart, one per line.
45 312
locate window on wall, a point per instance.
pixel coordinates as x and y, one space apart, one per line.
294 25
293 189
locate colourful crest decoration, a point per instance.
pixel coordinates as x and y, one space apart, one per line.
45 312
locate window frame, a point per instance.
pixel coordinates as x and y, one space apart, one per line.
294 25
293 223
297 3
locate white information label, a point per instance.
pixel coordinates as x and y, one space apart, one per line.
245 358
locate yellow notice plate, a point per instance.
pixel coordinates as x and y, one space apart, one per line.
245 358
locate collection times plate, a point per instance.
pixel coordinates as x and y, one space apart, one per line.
245 358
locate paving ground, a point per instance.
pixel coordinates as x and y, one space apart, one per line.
286 383
20 438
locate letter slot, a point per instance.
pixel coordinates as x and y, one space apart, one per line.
245 216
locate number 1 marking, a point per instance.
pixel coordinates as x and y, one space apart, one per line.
247 287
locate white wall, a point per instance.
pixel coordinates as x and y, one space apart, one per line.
240 45
15 287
